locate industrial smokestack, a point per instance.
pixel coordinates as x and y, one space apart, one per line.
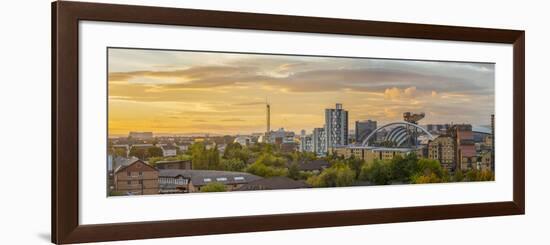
268 117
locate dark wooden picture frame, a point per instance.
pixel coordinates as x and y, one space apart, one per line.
65 122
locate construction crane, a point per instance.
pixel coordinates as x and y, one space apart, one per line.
413 118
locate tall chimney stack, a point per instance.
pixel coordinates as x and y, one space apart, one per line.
268 115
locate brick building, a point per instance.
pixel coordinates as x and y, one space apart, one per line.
136 178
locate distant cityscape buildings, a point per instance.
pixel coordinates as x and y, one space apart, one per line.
455 146
363 129
141 135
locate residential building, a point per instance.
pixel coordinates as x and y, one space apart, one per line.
485 160
437 128
442 149
136 178
196 179
319 142
370 154
466 156
364 129
281 136
183 146
306 142
336 126
169 150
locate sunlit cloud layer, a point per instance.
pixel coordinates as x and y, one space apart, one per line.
177 92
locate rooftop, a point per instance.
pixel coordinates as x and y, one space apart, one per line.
203 177
273 183
313 165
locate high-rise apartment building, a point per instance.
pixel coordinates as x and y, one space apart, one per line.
336 126
319 141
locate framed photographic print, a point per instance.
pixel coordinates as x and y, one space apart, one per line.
176 122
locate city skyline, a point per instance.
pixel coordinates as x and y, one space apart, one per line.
181 92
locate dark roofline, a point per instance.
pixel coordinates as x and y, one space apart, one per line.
122 167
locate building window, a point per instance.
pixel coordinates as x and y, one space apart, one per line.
129 182
141 182
140 173
128 173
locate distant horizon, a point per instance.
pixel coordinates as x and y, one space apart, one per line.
193 92
200 134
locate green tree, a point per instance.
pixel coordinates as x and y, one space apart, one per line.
269 159
233 164
154 152
140 153
337 175
231 149
235 150
199 158
377 172
153 160
355 164
213 159
402 168
294 171
428 166
121 152
260 169
479 175
426 178
213 187
458 175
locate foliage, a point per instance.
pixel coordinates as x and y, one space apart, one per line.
114 193
303 156
145 153
480 175
428 166
269 159
205 159
154 152
377 172
233 164
355 164
235 150
154 160
405 169
425 178
402 168
260 169
294 171
121 152
263 148
458 176
213 187
140 153
336 176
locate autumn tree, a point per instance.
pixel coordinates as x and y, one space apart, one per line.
213 187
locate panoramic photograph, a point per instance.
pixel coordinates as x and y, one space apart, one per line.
182 122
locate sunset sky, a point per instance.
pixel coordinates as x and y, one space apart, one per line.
177 92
